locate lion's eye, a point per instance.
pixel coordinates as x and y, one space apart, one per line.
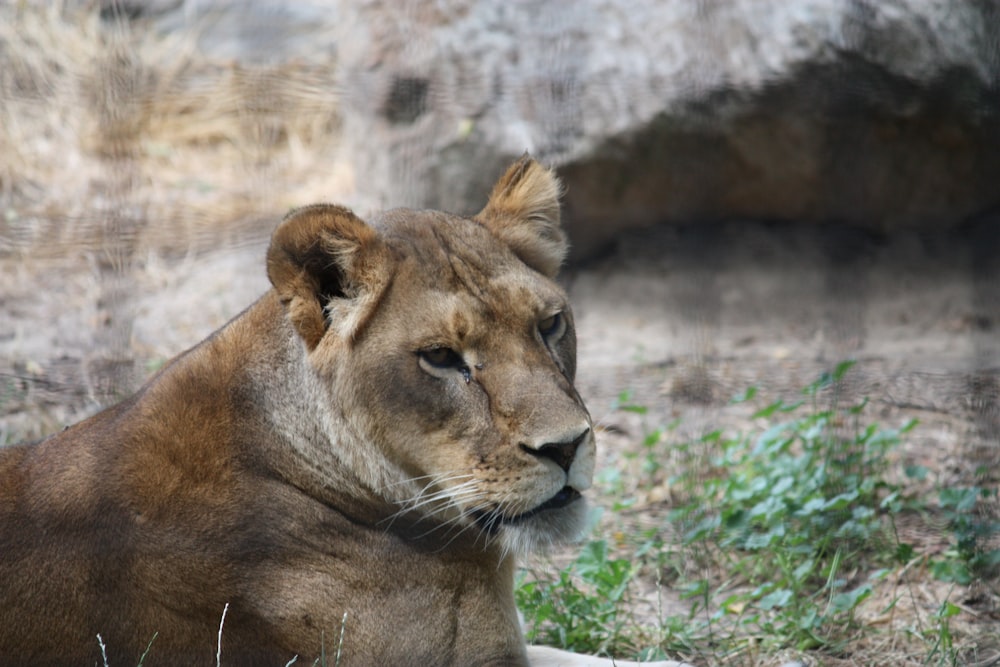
552 326
440 361
441 357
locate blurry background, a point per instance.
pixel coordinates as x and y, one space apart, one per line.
755 191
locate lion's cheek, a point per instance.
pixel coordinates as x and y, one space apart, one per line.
432 439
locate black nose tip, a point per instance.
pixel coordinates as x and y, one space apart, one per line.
562 453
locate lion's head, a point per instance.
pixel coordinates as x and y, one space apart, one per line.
445 355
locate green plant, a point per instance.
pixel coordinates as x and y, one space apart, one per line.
784 533
942 651
799 512
580 608
968 556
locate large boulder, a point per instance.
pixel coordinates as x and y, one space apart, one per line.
884 114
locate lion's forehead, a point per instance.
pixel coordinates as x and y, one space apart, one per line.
512 305
452 251
482 278
458 286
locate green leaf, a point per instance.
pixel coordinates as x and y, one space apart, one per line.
652 438
783 484
842 368
747 395
848 600
812 506
987 559
809 620
904 553
842 501
961 499
804 570
767 410
951 569
778 598
949 609
759 541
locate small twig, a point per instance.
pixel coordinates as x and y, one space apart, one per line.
340 644
218 650
142 658
104 652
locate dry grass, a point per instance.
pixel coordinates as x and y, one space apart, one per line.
116 135
126 153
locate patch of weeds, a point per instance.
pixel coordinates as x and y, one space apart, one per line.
784 533
581 607
801 518
798 517
969 556
942 650
587 606
647 463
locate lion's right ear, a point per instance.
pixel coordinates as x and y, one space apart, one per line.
329 269
523 211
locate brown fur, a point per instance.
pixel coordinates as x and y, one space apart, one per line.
305 464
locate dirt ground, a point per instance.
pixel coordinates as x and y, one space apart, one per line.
688 318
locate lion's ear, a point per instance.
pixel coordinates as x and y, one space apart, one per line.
329 268
523 211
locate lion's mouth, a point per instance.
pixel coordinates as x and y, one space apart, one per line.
491 521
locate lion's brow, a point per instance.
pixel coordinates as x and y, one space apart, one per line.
471 277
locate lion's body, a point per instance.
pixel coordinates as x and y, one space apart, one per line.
347 468
133 530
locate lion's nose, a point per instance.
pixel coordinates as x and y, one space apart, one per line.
562 452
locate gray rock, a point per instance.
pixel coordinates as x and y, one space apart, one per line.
251 32
878 113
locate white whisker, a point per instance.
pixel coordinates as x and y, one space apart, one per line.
453 492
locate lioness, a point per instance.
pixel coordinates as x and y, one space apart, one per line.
347 469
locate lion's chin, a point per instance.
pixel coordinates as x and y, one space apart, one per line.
561 520
493 521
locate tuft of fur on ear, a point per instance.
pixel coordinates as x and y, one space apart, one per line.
523 212
329 269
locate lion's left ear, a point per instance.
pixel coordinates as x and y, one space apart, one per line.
329 269
523 212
